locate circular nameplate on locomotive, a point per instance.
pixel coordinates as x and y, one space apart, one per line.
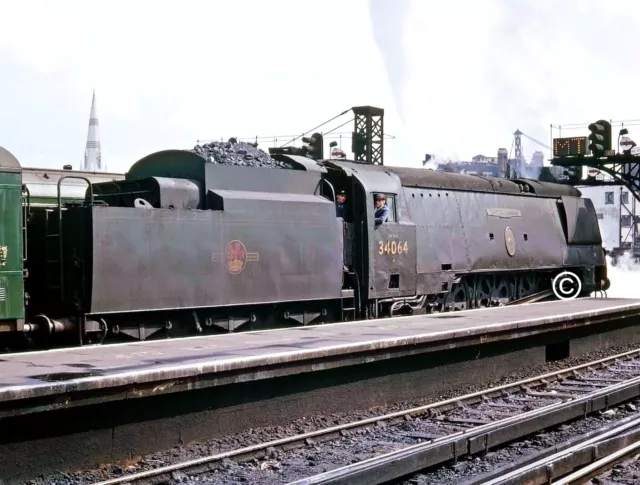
510 241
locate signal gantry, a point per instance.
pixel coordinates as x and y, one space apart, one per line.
596 150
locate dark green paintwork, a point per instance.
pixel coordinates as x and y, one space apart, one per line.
11 269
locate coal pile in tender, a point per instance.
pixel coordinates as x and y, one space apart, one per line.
241 153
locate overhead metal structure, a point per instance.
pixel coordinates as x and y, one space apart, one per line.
368 135
367 138
597 151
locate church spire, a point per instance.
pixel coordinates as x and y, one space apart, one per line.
92 153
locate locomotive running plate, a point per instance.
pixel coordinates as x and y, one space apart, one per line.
510 241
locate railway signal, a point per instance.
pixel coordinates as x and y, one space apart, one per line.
358 142
315 146
600 138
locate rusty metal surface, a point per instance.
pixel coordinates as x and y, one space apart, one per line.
159 192
187 165
431 179
393 265
259 179
474 212
549 189
168 163
582 222
214 258
301 162
83 369
478 225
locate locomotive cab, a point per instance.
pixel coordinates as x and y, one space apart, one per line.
380 258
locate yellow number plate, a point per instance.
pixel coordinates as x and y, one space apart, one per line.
393 247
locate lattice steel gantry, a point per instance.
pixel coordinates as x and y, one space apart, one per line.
368 135
573 152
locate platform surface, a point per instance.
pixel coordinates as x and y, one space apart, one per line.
43 373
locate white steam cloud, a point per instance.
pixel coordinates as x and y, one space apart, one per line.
388 20
624 278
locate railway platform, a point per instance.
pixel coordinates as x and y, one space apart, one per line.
115 397
247 356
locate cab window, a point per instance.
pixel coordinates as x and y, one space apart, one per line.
391 204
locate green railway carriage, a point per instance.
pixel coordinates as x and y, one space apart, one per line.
12 310
25 193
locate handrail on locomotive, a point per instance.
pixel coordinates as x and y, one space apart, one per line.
61 240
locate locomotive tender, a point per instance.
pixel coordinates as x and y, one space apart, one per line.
180 245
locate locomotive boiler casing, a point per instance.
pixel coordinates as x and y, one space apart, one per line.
497 231
453 225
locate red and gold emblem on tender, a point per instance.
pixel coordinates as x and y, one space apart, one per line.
235 257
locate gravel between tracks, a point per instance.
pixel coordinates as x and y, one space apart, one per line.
624 473
307 424
508 455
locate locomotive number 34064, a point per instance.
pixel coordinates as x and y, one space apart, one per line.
392 247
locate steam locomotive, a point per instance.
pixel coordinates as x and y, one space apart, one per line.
180 246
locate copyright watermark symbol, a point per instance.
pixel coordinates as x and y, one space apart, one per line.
566 286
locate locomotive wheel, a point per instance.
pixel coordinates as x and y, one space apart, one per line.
528 285
502 291
458 298
486 291
484 288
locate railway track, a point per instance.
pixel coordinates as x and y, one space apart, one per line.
399 444
573 462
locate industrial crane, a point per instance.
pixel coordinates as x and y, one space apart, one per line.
519 157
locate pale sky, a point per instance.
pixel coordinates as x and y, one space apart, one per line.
455 78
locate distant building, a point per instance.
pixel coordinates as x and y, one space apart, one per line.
497 166
92 151
483 159
537 160
503 159
479 165
470 168
617 215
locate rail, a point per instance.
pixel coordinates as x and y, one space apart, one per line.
585 455
433 451
599 465
412 459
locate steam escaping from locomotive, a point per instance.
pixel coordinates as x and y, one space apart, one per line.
388 19
530 171
624 276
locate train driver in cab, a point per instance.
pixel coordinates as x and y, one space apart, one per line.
341 198
382 211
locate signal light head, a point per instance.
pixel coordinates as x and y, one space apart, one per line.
314 146
600 137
